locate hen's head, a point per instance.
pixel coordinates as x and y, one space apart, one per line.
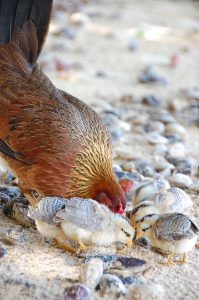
110 194
92 174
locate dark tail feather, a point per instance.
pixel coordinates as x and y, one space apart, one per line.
25 23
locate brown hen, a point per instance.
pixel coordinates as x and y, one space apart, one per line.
54 143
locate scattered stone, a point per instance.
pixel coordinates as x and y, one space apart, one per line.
160 164
91 272
156 138
183 165
133 45
122 263
129 175
161 149
175 60
191 93
180 180
79 19
77 292
173 138
163 117
154 126
148 290
175 128
2 252
177 150
145 168
129 166
151 76
112 285
151 100
20 214
195 186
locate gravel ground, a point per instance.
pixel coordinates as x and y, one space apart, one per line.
102 54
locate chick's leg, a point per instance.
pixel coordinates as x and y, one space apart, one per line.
183 260
169 261
64 246
82 246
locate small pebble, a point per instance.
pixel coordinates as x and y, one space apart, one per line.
79 19
180 180
77 292
133 45
177 150
191 93
148 290
195 186
163 117
156 138
112 285
91 272
145 168
160 163
2 251
150 75
129 166
161 149
173 138
183 165
175 128
154 126
151 100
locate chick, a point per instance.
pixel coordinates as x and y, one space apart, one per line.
147 189
82 220
173 200
174 233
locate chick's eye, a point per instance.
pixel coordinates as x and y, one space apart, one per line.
127 234
147 228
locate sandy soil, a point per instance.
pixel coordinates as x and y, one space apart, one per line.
32 268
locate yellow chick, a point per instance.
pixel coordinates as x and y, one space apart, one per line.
82 220
175 233
173 200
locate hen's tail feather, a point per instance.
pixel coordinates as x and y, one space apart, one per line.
25 23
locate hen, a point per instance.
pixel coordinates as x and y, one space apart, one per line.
54 143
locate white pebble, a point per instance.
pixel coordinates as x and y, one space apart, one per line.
91 273
175 128
180 180
156 138
148 290
177 150
195 186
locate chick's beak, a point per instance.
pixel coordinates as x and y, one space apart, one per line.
129 243
139 235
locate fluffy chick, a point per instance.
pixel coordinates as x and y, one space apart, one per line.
174 233
147 189
82 220
173 200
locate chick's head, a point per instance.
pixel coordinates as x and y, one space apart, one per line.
124 230
145 225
